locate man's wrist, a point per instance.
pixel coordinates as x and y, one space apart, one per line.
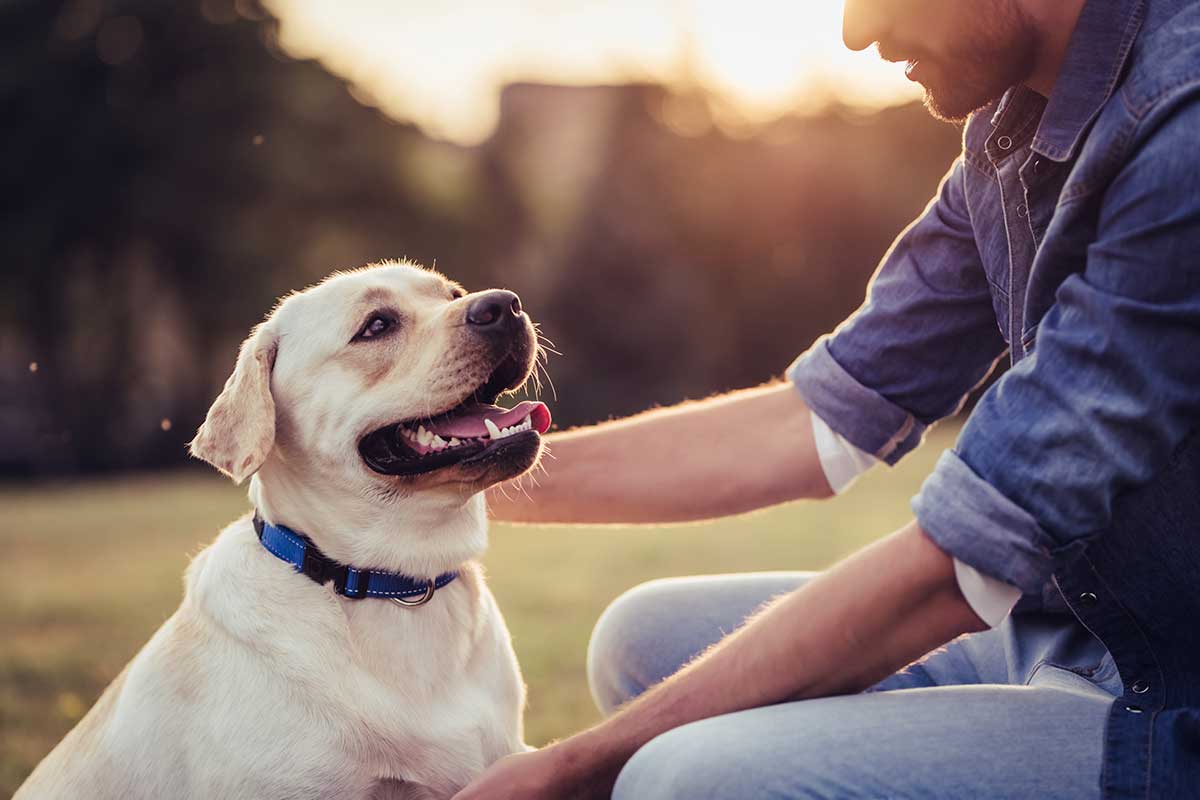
593 757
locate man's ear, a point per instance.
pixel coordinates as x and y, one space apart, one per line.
239 430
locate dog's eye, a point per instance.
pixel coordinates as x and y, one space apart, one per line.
456 293
376 326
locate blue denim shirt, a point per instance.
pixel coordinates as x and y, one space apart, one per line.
1067 235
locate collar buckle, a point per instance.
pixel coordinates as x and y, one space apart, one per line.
316 566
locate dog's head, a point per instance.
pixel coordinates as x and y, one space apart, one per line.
383 382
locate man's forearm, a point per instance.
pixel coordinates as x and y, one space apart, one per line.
706 459
842 632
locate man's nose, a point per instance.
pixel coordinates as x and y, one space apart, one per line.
494 311
861 23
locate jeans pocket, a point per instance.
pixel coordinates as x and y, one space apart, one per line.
1086 680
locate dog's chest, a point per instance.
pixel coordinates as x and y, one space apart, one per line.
353 690
444 686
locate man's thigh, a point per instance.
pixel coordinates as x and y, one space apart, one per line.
941 742
652 630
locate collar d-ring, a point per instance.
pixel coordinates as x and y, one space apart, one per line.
430 588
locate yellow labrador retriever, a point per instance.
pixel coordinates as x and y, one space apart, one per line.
340 641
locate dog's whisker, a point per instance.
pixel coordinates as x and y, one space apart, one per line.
537 382
553 390
543 336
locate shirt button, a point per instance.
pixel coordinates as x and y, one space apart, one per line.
1140 687
1004 142
1087 599
1022 210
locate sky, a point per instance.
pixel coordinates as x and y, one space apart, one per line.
442 63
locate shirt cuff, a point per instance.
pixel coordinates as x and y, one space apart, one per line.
991 599
972 521
842 463
870 421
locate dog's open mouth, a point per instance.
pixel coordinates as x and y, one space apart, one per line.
474 431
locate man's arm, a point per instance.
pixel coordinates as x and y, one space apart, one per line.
1112 388
840 633
722 456
924 337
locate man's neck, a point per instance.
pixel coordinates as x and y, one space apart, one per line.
1055 20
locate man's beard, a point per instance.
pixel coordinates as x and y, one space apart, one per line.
996 51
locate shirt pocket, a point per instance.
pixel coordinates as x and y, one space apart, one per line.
1002 306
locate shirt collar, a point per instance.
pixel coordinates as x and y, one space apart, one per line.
1096 56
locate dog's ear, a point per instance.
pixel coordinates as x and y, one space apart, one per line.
239 430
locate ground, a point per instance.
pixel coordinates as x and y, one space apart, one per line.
93 567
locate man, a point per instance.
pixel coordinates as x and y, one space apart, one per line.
1068 234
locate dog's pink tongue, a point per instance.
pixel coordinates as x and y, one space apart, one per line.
469 423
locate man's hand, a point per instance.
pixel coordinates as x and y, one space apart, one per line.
538 775
842 632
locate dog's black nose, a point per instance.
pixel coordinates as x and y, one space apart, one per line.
494 309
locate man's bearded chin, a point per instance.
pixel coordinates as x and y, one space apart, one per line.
982 71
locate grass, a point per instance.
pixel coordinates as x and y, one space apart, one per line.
93 567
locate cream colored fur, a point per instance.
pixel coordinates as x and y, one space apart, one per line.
264 684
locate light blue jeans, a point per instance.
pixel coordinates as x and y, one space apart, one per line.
1015 712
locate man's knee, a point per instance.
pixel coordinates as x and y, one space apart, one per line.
682 763
622 647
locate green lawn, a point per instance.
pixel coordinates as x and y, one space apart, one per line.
92 568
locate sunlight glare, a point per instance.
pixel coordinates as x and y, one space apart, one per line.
442 65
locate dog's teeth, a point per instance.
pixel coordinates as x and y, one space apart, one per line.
454 442
493 431
438 443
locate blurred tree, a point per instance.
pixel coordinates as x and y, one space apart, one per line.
685 264
169 172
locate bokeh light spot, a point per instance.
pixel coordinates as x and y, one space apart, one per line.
119 40
70 705
77 19
219 12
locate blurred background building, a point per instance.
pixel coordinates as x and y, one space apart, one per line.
684 194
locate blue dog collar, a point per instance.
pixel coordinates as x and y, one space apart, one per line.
299 551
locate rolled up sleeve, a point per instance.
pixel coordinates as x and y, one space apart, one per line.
1110 392
924 337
